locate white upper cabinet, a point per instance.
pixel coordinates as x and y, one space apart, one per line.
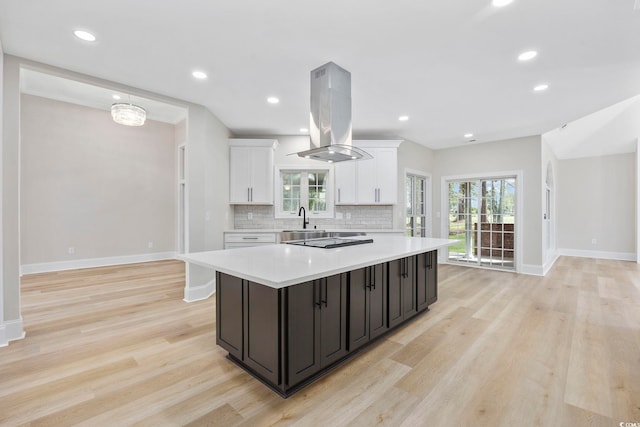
251 171
345 177
369 182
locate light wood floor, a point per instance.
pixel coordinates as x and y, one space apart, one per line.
117 346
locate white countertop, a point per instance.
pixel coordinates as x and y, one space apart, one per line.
283 265
278 230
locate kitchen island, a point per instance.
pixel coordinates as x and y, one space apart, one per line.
288 314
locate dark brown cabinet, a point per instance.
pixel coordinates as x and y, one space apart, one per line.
317 332
367 304
247 324
288 337
402 290
427 279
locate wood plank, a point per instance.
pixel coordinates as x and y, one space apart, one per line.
118 346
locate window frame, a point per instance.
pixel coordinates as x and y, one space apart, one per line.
426 205
304 199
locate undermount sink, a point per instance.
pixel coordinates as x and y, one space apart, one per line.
292 235
289 235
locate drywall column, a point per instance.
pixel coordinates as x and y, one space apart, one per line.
3 335
638 200
207 182
11 316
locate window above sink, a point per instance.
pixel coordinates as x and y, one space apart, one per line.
304 187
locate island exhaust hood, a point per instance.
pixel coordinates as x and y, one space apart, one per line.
330 127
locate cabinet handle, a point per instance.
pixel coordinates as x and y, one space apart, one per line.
249 238
325 293
248 195
316 296
373 277
251 194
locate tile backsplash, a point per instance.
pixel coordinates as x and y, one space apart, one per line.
369 217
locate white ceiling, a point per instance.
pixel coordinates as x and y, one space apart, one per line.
66 90
450 65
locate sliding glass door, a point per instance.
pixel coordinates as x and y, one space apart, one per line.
482 216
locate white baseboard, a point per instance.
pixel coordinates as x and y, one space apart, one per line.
532 269
621 256
547 265
11 330
197 293
46 267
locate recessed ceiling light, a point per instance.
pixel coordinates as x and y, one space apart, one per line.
541 87
304 130
115 96
468 135
272 100
200 75
501 3
528 55
329 161
84 35
403 118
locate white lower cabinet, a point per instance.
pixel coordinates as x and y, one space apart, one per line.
243 240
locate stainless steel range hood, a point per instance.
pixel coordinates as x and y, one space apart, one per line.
330 127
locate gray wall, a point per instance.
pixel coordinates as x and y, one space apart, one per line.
596 200
89 183
494 157
2 333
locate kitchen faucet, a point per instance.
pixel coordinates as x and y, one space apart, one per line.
305 221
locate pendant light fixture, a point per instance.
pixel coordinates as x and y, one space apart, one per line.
128 114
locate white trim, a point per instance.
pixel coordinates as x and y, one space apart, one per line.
198 293
444 208
532 270
279 214
621 256
428 198
240 142
94 262
11 331
549 263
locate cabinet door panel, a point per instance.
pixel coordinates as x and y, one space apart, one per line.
395 292
345 176
261 175
262 331
367 181
422 262
333 312
358 308
239 178
377 306
409 306
432 278
229 314
387 175
303 317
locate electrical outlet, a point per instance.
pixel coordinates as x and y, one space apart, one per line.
250 216
150 245
71 250
594 241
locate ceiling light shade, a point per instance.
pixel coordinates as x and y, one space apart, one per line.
128 114
541 87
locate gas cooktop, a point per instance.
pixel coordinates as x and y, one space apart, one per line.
330 242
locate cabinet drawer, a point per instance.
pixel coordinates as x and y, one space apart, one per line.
237 240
